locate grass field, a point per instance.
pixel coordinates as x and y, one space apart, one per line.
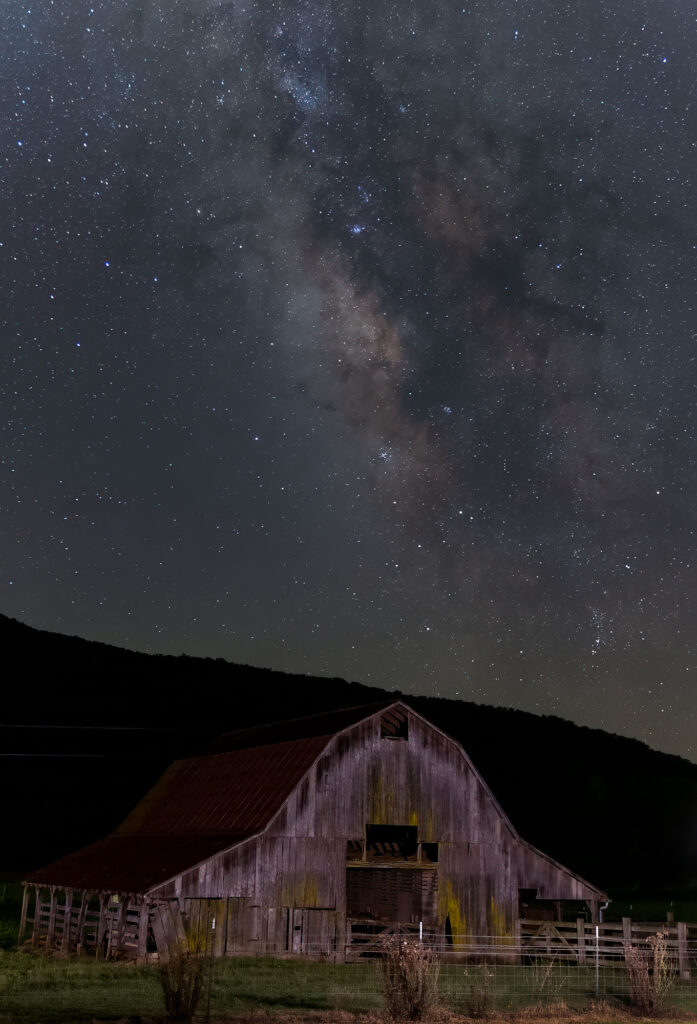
55 991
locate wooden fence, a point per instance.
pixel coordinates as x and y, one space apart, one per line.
103 925
93 924
575 941
584 942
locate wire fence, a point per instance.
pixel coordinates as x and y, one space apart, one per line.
472 983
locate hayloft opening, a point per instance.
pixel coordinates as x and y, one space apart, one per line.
391 842
394 725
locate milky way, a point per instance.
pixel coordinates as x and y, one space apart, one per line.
359 339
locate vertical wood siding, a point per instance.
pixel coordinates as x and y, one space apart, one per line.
299 862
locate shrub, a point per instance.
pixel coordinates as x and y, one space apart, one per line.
181 976
650 974
409 972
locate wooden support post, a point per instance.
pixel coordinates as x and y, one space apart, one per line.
627 931
518 938
111 927
23 918
683 959
122 919
67 918
143 918
51 936
79 935
37 917
101 926
581 939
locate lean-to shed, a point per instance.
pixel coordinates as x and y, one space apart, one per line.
305 837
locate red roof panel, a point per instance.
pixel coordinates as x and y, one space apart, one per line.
130 864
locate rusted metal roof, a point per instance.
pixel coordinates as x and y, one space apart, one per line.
235 792
129 863
198 807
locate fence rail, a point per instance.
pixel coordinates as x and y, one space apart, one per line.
577 942
121 926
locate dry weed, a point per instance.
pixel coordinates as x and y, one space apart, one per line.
409 974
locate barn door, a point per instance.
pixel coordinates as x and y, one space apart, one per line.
310 930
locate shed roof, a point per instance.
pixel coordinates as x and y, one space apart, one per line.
200 806
130 863
236 792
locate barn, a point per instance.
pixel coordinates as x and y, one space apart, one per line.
306 837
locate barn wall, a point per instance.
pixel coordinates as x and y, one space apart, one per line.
551 881
294 875
422 781
231 873
425 781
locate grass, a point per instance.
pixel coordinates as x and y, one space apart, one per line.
55 991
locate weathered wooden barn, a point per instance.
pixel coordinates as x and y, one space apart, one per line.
306 837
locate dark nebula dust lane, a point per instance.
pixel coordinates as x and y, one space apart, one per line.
358 340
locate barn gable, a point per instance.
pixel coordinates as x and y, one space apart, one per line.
313 827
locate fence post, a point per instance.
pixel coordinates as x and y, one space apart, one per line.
627 931
683 961
581 939
37 917
23 918
67 921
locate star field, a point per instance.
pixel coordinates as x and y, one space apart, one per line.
359 340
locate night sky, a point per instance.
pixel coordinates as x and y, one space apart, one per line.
359 339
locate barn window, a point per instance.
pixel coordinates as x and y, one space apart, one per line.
391 842
394 725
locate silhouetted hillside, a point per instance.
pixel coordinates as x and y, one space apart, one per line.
621 814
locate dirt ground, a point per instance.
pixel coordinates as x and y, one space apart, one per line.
603 1013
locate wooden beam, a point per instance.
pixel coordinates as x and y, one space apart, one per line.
121 919
683 958
68 913
51 935
143 917
23 917
81 920
581 939
37 917
101 926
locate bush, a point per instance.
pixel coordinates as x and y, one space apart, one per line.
409 972
650 974
181 977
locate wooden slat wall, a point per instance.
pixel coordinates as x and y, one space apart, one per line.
423 781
